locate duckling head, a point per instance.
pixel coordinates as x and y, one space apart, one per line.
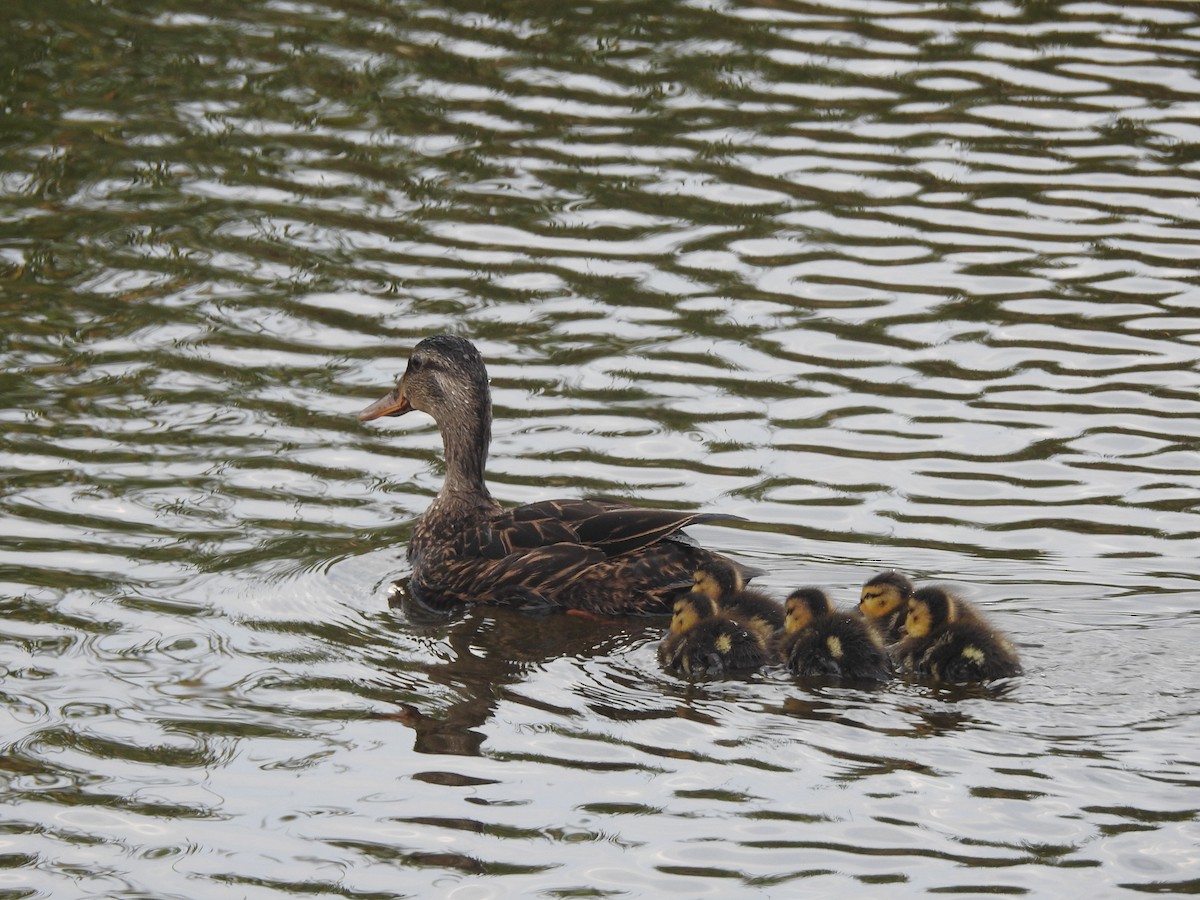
884 594
691 609
929 608
803 606
717 579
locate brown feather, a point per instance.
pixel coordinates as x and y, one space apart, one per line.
597 555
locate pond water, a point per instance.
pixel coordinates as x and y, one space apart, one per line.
902 284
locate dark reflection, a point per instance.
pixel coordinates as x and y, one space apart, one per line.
490 651
437 859
817 708
829 701
26 775
452 779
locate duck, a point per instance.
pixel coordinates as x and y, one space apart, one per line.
950 641
701 641
818 639
723 583
587 555
884 603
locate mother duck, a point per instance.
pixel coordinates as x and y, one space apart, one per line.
591 555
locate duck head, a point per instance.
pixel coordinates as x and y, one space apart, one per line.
445 378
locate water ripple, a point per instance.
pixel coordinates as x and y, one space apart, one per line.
900 287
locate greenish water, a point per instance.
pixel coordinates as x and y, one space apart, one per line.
903 284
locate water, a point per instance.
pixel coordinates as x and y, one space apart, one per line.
902 284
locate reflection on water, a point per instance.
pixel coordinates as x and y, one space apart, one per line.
902 285
485 655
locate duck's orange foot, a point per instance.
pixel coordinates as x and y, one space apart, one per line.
591 616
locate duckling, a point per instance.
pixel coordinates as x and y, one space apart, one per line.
721 581
819 640
703 642
950 641
884 602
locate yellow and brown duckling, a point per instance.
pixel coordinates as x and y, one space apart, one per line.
721 581
884 603
820 640
947 638
704 642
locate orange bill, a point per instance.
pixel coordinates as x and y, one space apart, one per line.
393 404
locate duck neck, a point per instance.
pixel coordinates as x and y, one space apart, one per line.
465 440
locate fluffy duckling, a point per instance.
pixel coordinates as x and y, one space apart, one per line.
950 641
704 642
884 602
722 582
819 640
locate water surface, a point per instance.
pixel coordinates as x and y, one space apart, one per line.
903 284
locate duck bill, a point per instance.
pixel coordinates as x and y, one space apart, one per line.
394 404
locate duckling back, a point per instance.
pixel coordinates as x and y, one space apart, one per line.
839 645
965 651
754 609
703 642
716 646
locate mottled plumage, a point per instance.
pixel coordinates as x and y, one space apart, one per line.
820 640
702 642
595 555
950 641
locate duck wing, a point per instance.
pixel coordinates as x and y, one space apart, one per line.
532 579
620 531
612 528
598 555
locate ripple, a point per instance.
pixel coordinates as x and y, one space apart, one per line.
900 289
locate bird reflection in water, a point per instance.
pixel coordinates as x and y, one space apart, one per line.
489 652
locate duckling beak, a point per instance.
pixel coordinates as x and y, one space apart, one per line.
394 404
